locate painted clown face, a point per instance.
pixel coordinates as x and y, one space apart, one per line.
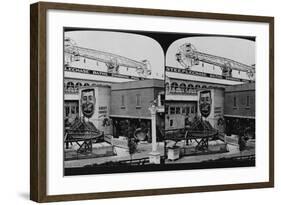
88 102
205 103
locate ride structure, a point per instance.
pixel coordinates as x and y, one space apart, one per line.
112 61
84 134
188 56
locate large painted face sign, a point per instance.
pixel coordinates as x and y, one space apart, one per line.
205 102
88 102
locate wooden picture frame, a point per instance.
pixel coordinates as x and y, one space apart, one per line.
39 111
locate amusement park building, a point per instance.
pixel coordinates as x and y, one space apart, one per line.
132 99
126 104
130 103
239 108
182 91
240 101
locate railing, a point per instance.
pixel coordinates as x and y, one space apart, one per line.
182 92
127 162
75 89
175 134
245 157
133 162
71 91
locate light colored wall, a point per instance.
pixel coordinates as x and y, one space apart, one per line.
241 109
179 119
130 109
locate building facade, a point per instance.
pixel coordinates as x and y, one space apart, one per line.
240 108
182 97
181 100
130 107
179 114
119 107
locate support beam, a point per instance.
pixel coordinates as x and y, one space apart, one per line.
154 156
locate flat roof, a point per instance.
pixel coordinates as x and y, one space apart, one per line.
149 83
242 87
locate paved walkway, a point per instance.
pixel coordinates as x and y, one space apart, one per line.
143 151
233 152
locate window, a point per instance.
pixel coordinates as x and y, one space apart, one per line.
66 111
86 84
77 109
187 110
166 109
138 99
162 99
190 86
234 101
178 110
182 87
72 109
174 86
197 86
123 101
78 85
171 123
192 109
69 85
183 110
248 101
172 110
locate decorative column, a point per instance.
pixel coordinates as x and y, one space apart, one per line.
154 156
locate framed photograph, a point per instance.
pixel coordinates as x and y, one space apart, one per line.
135 102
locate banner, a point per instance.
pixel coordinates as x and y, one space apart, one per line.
209 75
101 73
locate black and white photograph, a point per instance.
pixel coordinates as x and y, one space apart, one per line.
113 102
210 102
129 101
153 101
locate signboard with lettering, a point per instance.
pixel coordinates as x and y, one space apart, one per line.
218 112
209 75
103 111
101 73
